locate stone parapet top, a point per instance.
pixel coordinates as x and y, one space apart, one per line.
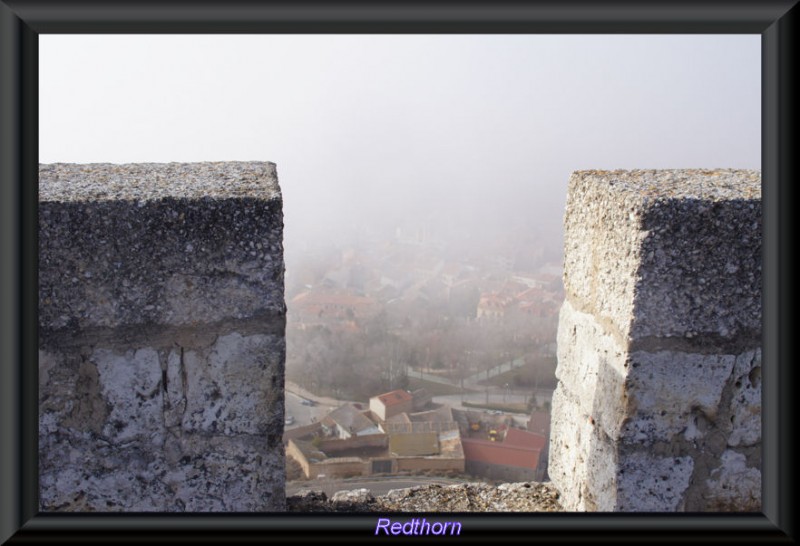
667 256
153 181
171 244
457 497
704 184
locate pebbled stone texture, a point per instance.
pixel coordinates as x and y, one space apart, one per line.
658 404
173 245
466 497
161 337
673 255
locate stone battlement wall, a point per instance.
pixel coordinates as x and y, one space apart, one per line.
161 337
658 404
162 319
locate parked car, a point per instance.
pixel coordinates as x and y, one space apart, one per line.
307 402
289 420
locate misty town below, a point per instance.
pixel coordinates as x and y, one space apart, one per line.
408 353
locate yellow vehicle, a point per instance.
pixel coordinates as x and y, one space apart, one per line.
493 435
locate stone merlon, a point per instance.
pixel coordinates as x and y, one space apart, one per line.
162 350
161 337
158 244
667 254
658 404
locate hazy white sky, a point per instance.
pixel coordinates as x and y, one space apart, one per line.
381 127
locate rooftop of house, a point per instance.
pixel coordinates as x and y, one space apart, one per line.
399 418
349 418
539 422
493 299
533 295
450 444
523 438
414 444
441 414
324 296
499 453
312 453
395 397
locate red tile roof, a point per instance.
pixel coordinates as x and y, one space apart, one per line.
317 297
486 451
493 299
539 422
395 397
532 295
523 438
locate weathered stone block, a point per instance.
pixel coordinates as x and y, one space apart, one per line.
159 244
130 385
746 400
584 470
233 387
663 396
161 335
641 396
667 254
592 368
652 483
734 484
658 404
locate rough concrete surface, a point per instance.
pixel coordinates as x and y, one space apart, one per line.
658 404
161 337
468 497
670 254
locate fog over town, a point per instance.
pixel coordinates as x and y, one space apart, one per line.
424 181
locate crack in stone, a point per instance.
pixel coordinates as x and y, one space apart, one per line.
184 382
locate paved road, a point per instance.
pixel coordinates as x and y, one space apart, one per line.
378 486
303 415
300 391
455 400
470 382
496 395
433 378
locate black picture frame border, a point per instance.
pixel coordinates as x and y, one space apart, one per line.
21 22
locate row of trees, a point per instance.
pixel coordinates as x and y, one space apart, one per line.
347 365
376 357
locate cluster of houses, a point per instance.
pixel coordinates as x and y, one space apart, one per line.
517 299
400 432
358 284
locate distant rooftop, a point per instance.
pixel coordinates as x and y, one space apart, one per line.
442 414
350 418
394 397
523 438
